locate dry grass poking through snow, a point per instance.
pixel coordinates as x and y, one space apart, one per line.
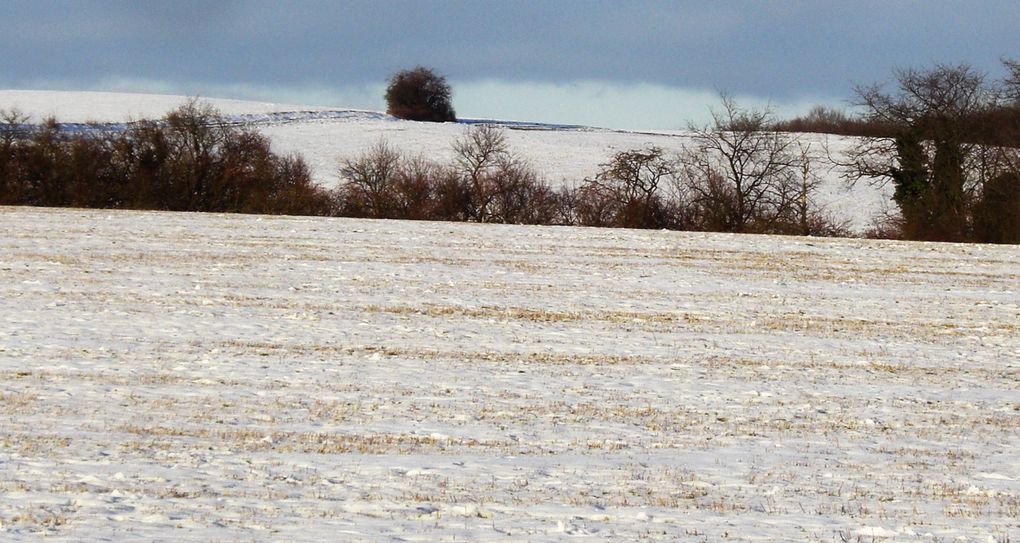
234 377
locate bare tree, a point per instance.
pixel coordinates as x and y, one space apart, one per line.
414 189
629 191
368 181
500 182
476 155
13 127
740 173
519 196
1012 81
813 219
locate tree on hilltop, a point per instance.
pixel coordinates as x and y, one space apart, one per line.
420 94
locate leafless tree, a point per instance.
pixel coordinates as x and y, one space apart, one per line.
1012 81
368 181
519 196
740 173
414 189
813 219
629 191
477 156
502 186
13 127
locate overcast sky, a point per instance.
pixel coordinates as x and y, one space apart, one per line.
623 63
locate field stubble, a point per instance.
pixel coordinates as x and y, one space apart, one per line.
235 377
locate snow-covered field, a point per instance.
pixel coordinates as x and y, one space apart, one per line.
324 136
197 377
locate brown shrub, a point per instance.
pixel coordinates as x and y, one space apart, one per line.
192 160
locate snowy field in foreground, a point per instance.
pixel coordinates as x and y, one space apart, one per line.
323 136
197 377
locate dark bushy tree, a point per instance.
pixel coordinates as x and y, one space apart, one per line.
953 154
420 94
997 211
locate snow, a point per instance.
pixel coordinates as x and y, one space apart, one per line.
324 136
116 107
215 377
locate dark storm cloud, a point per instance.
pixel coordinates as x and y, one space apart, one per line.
782 50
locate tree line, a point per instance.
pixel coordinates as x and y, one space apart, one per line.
946 138
741 177
192 159
737 176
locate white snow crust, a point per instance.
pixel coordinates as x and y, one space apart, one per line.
200 377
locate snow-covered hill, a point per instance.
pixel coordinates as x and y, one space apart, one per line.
563 154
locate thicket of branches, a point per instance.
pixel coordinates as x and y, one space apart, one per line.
191 160
485 182
739 176
953 155
947 138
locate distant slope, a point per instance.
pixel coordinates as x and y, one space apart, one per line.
323 136
107 107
